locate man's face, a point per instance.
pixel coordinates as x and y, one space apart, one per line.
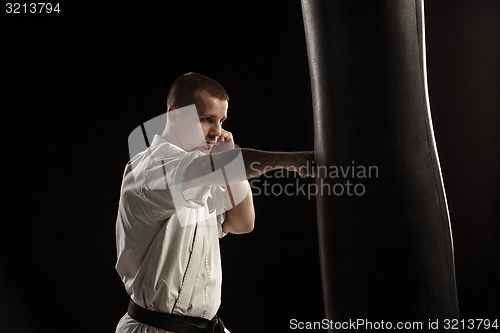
212 113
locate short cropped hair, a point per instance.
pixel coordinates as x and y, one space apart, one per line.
183 89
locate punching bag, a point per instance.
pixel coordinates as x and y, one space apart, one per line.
385 240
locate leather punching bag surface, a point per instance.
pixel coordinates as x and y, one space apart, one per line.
385 239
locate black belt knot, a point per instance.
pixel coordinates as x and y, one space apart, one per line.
173 322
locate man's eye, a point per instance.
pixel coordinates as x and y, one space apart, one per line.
205 120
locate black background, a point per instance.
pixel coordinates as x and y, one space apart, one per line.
75 84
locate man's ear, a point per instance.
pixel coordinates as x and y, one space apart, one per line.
171 112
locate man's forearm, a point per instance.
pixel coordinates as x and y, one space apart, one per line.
258 162
255 163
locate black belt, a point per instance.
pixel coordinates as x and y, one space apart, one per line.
173 322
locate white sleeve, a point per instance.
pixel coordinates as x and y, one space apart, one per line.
164 184
220 221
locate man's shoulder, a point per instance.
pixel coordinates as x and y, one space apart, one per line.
162 150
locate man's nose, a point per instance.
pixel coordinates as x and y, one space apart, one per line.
216 129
